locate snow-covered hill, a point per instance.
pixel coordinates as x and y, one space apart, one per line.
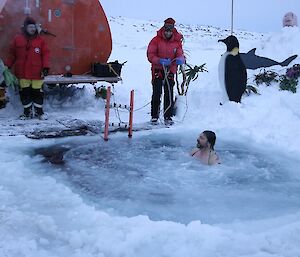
41 214
272 117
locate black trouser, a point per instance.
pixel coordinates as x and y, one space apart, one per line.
2 95
26 99
157 84
38 100
29 95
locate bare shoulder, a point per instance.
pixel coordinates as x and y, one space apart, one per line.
214 159
217 159
194 151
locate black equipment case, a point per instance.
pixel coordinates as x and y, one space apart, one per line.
110 69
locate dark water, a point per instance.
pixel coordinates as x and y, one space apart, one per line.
154 175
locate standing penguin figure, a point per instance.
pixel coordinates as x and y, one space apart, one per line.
232 71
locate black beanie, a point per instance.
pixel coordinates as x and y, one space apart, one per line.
28 20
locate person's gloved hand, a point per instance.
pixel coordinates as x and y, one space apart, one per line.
179 60
45 72
165 62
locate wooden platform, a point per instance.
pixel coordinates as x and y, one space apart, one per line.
78 79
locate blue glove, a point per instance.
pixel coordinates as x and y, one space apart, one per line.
165 62
179 60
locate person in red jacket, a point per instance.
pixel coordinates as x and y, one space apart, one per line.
164 53
29 55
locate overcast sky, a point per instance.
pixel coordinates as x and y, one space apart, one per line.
253 15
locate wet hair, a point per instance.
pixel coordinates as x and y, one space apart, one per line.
211 138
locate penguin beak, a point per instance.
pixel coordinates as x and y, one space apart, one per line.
221 40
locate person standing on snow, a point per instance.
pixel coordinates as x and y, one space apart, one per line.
29 55
164 53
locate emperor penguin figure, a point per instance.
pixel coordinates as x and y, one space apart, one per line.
232 71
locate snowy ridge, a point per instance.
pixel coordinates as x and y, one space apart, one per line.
41 216
195 36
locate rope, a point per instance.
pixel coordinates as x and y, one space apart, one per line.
112 69
166 72
186 109
165 80
116 108
117 111
180 89
140 108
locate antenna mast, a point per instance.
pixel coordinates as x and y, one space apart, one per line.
231 17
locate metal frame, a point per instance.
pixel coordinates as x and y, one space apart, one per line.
78 79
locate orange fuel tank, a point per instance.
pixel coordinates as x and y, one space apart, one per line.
82 33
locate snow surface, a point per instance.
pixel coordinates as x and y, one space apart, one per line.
45 214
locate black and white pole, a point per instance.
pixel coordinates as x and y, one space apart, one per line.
231 17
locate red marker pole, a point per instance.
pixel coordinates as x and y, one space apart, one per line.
131 114
107 106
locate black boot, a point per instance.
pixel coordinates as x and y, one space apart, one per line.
2 95
156 94
2 103
39 113
27 114
25 96
38 99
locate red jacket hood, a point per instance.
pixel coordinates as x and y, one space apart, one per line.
176 35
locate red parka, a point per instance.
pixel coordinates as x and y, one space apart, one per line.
29 55
160 47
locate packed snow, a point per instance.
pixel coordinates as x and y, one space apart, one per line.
146 196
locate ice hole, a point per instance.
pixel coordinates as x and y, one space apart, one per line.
153 175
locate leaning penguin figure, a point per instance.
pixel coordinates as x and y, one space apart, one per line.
232 71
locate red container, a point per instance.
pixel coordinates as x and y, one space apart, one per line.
82 31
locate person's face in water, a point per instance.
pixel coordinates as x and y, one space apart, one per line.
31 29
202 141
